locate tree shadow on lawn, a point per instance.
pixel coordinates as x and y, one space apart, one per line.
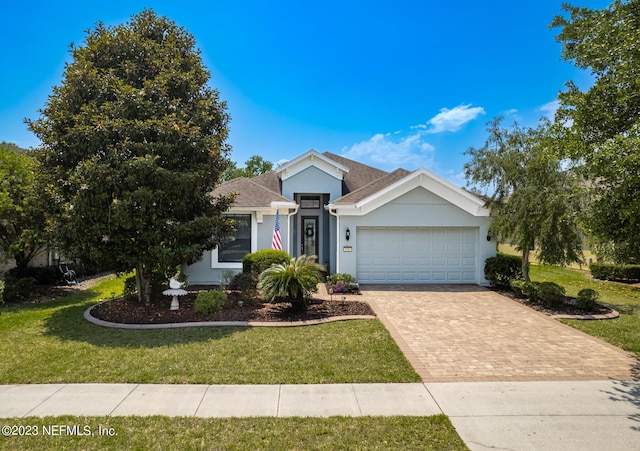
71 299
69 324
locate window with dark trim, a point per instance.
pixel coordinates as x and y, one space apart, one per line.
309 202
240 243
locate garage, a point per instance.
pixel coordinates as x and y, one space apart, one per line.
417 255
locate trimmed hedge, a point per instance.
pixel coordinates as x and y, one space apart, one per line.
606 271
258 261
502 269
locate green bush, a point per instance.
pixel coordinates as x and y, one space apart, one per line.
17 289
517 288
502 269
257 262
247 285
210 301
606 271
530 291
550 293
41 275
587 299
293 282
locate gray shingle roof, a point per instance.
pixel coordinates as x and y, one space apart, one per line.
250 193
359 183
359 174
371 188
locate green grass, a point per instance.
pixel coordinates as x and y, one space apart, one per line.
370 433
624 331
511 250
51 342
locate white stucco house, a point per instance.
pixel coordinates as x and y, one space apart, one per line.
397 227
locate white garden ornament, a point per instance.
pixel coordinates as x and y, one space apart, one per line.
175 290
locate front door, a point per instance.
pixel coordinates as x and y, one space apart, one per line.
309 244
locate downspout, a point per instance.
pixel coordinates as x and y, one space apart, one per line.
337 237
295 211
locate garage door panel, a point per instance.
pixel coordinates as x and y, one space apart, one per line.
438 261
469 261
409 276
439 276
416 255
439 246
468 277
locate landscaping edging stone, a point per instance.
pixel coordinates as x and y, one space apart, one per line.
611 315
312 322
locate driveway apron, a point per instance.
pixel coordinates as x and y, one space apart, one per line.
466 333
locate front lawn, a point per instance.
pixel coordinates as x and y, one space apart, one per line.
52 343
371 433
623 332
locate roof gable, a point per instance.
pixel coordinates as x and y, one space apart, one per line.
311 158
396 184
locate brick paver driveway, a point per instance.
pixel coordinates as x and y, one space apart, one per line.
468 333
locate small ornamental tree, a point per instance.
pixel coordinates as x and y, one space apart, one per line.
536 200
293 281
133 144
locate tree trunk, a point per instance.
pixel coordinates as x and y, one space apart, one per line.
143 283
22 263
525 264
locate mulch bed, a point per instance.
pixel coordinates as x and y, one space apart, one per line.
566 308
132 312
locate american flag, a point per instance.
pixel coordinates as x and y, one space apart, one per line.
276 241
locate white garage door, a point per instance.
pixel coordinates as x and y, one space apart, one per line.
416 255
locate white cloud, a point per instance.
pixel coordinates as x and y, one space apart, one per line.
549 109
451 120
391 151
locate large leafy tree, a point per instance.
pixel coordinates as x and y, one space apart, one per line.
133 144
22 221
601 125
535 200
254 166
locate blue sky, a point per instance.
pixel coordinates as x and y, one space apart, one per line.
388 83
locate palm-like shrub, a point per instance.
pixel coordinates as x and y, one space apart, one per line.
293 282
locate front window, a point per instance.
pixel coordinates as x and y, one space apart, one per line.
240 243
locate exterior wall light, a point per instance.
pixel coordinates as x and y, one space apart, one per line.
347 234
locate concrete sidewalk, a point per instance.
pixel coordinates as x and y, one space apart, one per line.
591 415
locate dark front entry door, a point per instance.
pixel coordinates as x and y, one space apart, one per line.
309 245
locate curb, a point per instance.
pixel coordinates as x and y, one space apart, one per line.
312 322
